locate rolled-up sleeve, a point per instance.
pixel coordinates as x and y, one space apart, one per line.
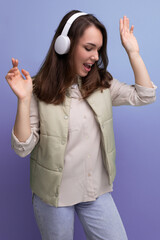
136 95
25 148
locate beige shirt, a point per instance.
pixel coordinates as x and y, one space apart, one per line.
83 163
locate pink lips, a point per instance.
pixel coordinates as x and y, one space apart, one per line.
87 67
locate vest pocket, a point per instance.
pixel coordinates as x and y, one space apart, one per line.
45 183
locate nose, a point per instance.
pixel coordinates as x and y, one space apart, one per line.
95 56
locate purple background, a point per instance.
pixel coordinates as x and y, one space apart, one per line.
26 31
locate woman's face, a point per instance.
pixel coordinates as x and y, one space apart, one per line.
86 52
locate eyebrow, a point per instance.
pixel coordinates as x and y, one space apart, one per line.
91 44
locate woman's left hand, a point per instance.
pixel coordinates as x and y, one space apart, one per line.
128 39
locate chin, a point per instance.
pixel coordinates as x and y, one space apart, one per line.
83 74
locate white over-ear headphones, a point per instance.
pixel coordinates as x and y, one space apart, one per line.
62 43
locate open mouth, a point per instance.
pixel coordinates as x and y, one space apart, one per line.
87 66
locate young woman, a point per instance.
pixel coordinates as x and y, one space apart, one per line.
64 119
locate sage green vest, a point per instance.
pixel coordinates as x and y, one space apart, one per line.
47 158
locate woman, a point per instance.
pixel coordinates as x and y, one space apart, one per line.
66 125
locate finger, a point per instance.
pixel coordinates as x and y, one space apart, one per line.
13 70
121 25
132 28
9 76
127 23
26 74
15 62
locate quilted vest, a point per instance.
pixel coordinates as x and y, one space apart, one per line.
47 158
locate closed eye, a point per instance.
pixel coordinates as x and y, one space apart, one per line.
88 49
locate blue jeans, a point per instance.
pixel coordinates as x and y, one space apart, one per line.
100 219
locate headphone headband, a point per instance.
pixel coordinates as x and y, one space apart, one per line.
70 21
62 43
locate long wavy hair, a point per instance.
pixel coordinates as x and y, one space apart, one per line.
56 74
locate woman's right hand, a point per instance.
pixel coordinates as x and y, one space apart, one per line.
20 86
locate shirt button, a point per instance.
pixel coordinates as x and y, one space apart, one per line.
66 117
63 142
19 147
60 169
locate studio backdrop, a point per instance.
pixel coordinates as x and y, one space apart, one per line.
26 31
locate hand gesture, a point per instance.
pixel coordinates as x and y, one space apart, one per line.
20 86
128 39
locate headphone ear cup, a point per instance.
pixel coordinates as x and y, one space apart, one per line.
62 45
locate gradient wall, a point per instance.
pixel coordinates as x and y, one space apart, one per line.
26 31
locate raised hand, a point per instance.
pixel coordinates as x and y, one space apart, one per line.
128 39
21 86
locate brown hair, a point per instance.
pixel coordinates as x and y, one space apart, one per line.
57 73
